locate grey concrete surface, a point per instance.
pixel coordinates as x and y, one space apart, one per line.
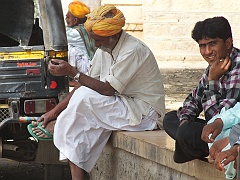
13 170
147 155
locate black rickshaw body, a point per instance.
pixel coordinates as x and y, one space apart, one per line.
31 33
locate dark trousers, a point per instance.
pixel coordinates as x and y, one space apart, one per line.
188 142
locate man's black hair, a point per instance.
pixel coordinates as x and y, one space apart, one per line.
82 20
216 27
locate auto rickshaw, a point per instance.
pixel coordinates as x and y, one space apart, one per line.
31 33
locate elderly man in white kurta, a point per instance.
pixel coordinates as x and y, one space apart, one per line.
124 91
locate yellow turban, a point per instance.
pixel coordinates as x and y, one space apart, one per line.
102 25
78 9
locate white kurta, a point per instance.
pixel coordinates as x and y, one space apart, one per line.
77 52
84 127
133 72
74 39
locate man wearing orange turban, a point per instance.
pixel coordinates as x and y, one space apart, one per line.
102 26
80 45
78 9
123 91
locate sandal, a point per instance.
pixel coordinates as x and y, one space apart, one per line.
39 126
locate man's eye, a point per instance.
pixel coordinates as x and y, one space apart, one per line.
213 43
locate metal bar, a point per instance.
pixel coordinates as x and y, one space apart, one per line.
19 120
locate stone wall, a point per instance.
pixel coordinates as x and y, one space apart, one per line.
166 25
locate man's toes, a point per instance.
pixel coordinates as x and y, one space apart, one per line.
42 135
34 123
35 130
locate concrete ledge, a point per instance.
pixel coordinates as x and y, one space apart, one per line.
147 155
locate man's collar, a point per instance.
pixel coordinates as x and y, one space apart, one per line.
118 46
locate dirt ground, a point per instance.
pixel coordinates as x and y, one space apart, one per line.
178 83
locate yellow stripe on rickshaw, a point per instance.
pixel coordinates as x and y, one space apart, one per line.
58 54
3 106
21 55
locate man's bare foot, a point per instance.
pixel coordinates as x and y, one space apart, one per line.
49 127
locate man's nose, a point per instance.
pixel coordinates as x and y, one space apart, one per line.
208 49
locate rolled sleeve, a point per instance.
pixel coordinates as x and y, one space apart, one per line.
115 83
231 116
234 136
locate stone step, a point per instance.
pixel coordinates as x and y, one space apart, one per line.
148 155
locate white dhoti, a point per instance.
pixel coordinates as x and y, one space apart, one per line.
84 127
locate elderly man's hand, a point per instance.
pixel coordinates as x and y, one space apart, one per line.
212 130
225 157
47 117
59 67
219 68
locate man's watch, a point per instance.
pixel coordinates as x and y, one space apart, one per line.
77 77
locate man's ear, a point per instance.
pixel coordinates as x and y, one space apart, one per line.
229 43
75 21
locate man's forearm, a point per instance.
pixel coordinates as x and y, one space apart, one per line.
63 104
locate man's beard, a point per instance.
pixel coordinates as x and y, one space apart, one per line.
106 49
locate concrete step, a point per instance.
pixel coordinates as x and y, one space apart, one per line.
147 155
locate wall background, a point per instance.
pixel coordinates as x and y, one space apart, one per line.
166 25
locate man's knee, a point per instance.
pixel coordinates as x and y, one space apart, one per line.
184 133
189 135
169 118
171 123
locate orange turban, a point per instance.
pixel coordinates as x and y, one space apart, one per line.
78 9
102 25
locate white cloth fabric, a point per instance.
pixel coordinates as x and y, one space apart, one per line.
84 127
78 59
77 52
133 72
74 39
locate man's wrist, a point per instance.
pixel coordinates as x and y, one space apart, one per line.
234 149
73 72
210 78
219 122
77 77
